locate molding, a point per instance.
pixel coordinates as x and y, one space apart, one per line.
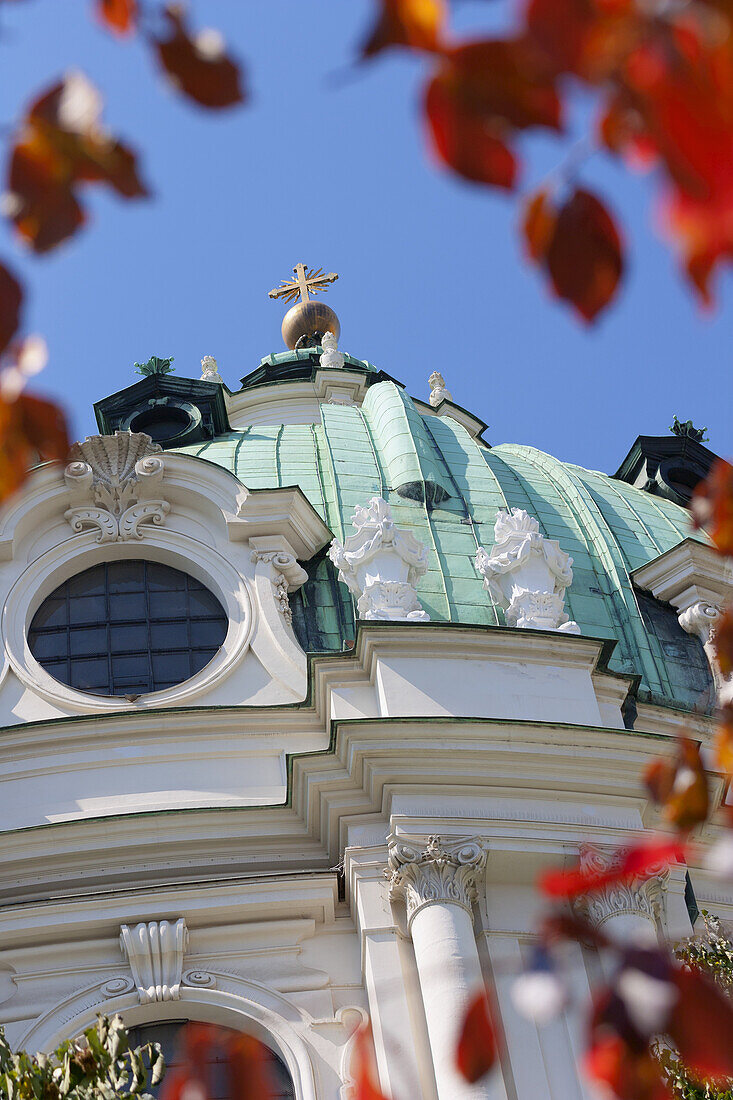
437 874
286 512
340 386
155 952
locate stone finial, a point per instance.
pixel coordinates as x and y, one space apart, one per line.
155 951
331 357
527 574
381 564
210 370
641 898
687 428
155 365
438 392
439 873
114 485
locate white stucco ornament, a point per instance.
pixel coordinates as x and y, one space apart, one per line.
381 564
114 485
155 950
331 357
438 392
210 370
527 574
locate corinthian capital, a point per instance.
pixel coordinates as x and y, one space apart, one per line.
635 897
437 874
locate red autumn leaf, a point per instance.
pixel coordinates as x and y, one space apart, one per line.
703 231
31 430
465 141
119 16
627 1074
366 1087
198 65
583 254
712 505
585 37
500 79
62 145
477 1050
205 1048
417 24
680 786
701 1026
11 298
538 224
639 861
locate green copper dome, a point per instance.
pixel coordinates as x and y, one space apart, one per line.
447 486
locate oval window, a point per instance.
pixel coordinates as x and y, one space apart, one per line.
127 628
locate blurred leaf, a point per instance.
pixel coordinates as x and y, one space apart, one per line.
31 430
366 1086
417 24
465 141
702 1026
639 861
477 1050
119 16
11 299
198 65
62 145
579 247
712 505
680 786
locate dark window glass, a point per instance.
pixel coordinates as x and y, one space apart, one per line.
167 1034
127 628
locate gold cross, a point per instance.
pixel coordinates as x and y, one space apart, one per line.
303 282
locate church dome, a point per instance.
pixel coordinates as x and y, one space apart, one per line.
446 484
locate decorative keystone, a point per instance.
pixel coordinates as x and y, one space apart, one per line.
331 356
381 564
437 874
640 897
438 392
527 574
155 953
113 484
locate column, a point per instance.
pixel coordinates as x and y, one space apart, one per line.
438 886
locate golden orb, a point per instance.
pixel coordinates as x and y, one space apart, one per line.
305 324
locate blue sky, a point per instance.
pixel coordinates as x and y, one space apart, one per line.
327 165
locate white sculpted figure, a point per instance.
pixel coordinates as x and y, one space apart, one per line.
331 356
438 392
527 574
210 370
381 564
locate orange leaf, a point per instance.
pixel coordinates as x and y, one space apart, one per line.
465 140
627 1073
119 16
585 37
477 1048
687 802
583 255
712 505
366 1087
198 65
31 430
62 145
639 861
538 224
417 24
724 642
11 297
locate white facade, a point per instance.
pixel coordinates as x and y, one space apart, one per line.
264 829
